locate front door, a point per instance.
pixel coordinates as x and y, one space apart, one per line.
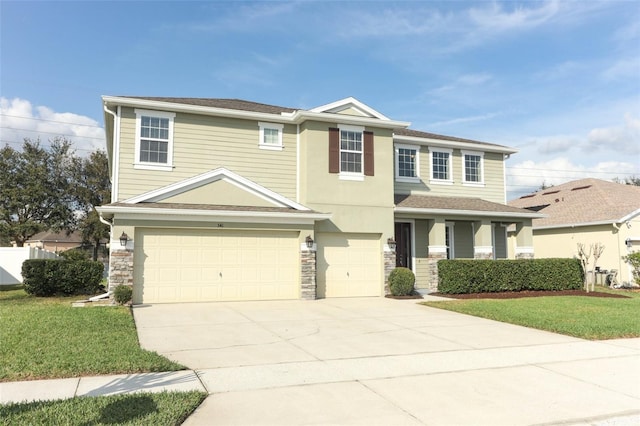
403 244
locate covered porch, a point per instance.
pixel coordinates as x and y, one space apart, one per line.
430 228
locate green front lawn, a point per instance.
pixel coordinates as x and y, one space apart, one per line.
45 338
591 318
167 408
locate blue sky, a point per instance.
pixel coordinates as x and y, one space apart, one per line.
558 80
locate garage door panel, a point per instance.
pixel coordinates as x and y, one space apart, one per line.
349 265
215 265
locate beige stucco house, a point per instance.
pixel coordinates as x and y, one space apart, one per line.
587 211
222 199
55 241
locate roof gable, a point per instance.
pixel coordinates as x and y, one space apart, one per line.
237 185
584 201
350 106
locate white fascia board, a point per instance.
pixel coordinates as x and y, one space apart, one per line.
171 214
577 225
220 173
196 109
449 212
453 144
350 102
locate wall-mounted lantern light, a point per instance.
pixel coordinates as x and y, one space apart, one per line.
309 242
123 239
392 244
628 242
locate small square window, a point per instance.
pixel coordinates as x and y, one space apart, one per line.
270 136
441 165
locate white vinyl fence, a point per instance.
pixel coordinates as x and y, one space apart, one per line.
11 259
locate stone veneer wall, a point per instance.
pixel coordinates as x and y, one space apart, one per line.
484 256
389 265
308 274
524 256
432 267
120 268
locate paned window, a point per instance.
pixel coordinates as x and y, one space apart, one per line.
350 151
407 163
472 164
154 140
270 136
441 165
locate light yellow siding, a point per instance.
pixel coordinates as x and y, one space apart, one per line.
493 189
203 143
219 193
463 240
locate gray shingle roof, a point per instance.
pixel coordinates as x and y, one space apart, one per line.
454 203
582 201
420 134
236 104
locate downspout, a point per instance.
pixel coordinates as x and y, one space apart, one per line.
116 152
617 228
108 293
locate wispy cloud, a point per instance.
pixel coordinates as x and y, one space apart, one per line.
20 120
461 120
624 138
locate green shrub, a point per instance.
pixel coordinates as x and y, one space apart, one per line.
75 255
122 294
49 277
490 276
401 281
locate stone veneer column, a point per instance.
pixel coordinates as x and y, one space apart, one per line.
436 253
120 268
308 273
389 265
524 253
484 252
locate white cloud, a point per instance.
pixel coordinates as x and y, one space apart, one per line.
624 138
624 68
496 19
19 119
460 120
556 144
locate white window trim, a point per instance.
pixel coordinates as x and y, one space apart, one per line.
452 250
351 175
448 181
408 179
272 126
465 182
142 165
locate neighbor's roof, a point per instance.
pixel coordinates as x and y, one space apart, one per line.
60 237
580 202
458 206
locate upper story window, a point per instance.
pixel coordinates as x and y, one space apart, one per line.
154 140
472 163
441 165
407 163
270 136
351 152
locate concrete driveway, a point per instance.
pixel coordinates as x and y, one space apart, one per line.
388 362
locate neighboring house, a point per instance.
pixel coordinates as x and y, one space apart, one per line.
222 199
587 211
55 241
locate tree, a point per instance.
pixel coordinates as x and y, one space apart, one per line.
93 188
35 189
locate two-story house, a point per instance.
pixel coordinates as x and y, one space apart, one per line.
222 199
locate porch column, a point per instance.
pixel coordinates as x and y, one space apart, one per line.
308 287
524 240
482 240
437 250
120 264
389 265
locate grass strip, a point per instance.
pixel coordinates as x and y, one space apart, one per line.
590 318
165 408
45 338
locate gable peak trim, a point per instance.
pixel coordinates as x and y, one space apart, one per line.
349 102
215 175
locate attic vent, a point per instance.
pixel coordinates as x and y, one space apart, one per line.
551 192
577 188
528 196
537 208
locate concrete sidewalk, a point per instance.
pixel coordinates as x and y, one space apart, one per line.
50 390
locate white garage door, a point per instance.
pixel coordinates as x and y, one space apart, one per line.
178 265
349 265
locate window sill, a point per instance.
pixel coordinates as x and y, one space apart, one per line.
405 179
441 182
151 166
351 176
474 184
271 147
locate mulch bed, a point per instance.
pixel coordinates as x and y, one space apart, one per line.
412 296
520 294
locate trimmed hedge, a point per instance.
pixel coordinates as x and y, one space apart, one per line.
50 277
458 276
401 282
